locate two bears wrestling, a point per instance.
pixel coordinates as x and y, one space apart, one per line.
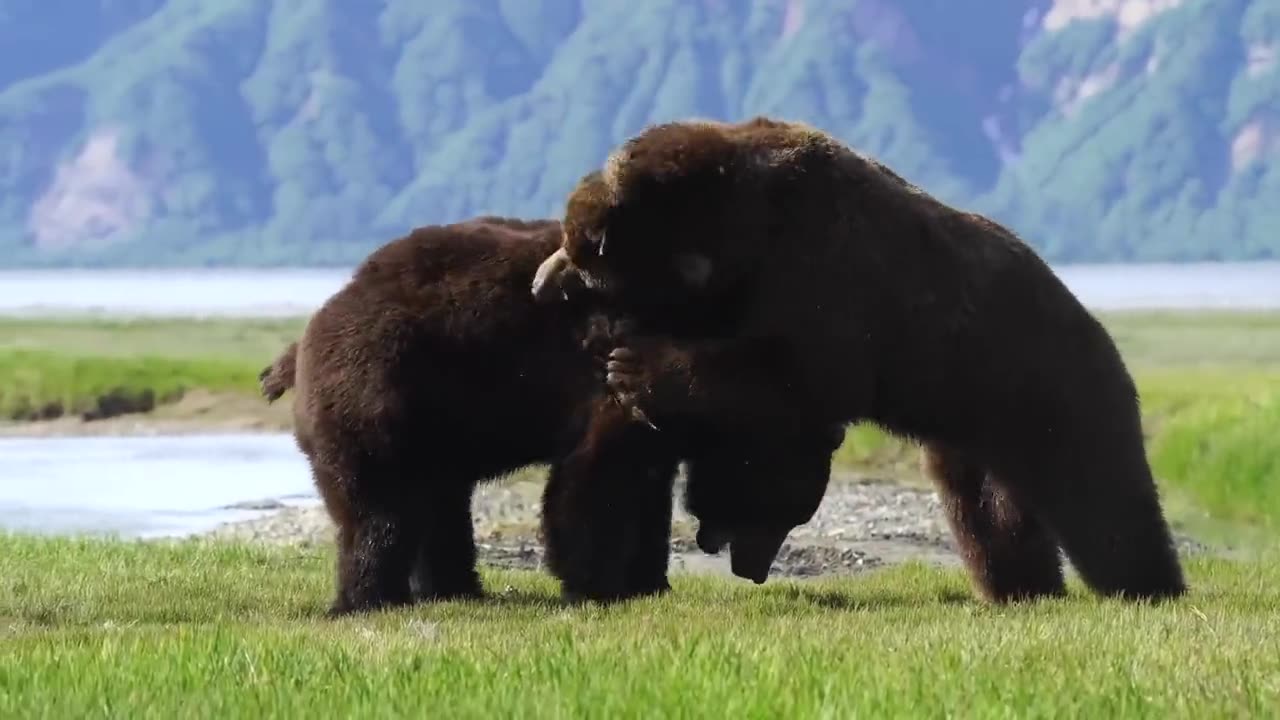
729 295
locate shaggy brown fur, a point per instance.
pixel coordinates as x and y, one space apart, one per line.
871 300
433 370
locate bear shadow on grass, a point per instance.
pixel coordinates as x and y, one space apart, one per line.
875 600
791 593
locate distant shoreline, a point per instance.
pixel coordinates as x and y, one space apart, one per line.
260 293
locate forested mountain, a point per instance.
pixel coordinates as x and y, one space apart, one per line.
252 132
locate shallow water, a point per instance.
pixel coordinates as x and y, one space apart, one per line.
266 293
1244 286
145 486
228 293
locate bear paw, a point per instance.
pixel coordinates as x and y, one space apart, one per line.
643 375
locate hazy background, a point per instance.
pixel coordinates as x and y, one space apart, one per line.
305 132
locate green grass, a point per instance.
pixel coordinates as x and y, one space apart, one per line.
93 628
72 363
253 342
1218 441
32 380
1205 339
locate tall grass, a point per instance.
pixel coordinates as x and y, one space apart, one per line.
49 384
71 364
1218 439
197 629
94 628
249 340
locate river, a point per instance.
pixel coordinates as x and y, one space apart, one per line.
146 486
267 293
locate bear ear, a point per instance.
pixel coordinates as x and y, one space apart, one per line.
694 268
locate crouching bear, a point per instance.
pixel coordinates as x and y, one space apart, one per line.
871 300
433 370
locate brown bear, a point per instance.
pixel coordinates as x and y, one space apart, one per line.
862 298
433 369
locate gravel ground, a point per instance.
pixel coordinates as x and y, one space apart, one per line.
861 524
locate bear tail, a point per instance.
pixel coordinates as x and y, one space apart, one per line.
278 377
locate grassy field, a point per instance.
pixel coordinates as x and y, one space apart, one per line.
71 364
196 629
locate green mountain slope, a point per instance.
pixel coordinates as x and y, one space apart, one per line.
308 131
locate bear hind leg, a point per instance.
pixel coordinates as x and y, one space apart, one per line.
383 545
336 504
345 541
587 533
606 511
1009 553
445 564
648 558
382 555
1104 509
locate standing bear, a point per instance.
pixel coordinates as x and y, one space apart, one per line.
433 370
873 301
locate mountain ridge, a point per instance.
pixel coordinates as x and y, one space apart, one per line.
306 132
